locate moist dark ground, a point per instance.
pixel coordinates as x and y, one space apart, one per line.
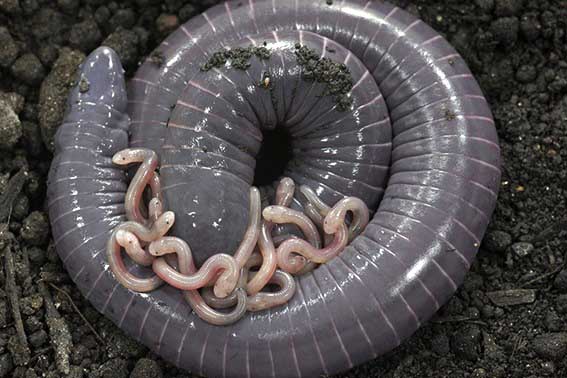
517 49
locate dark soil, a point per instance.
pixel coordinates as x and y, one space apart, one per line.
516 48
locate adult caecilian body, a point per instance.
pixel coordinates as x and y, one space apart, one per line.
206 127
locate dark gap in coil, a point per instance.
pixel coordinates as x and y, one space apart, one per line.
273 157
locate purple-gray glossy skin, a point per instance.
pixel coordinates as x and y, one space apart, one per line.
412 90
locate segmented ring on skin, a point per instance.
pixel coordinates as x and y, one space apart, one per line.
431 191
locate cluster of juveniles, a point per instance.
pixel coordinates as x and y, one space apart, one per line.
226 286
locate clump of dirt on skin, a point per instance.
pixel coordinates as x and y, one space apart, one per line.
336 76
238 57
517 49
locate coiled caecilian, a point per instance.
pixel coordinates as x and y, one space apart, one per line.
413 138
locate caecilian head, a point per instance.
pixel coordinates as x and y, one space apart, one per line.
165 222
101 81
126 239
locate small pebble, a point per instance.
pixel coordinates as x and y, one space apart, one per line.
479 373
473 282
47 23
125 18
29 69
549 367
79 353
553 322
85 35
9 50
30 373
144 36
21 208
9 6
36 255
526 74
485 5
54 91
497 241
551 346
488 311
560 282
51 253
125 43
530 26
10 126
35 229
6 365
116 368
187 12
466 342
75 372
13 99
37 339
505 30
6 237
20 353
101 15
558 85
490 348
505 8
68 6
33 323
522 249
166 23
4 182
146 368
173 5
30 305
440 344
29 7
121 345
